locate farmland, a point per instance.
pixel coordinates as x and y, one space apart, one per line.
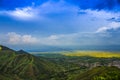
98 54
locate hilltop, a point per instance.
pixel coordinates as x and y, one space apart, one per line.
20 65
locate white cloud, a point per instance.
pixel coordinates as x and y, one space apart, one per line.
53 37
14 38
62 14
33 12
75 39
100 13
57 7
26 13
112 25
29 39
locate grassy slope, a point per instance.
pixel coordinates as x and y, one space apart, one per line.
24 66
100 73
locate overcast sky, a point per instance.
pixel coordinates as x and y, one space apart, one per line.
31 24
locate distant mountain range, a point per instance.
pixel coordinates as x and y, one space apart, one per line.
73 48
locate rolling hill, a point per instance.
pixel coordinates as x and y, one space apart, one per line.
100 73
19 65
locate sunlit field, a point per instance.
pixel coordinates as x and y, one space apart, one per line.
99 54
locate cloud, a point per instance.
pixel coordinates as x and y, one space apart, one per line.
43 10
58 15
14 38
26 13
111 26
73 40
55 40
22 13
59 6
115 19
100 14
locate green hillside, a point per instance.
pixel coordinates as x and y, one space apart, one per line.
19 65
100 73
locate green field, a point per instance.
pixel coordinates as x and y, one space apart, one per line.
98 54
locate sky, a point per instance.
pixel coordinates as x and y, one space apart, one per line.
76 24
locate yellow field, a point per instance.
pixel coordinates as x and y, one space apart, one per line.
0 48
99 54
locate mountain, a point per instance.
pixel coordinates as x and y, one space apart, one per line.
22 52
20 65
100 73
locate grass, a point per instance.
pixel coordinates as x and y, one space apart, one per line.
100 73
98 54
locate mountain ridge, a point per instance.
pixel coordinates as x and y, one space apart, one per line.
24 66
